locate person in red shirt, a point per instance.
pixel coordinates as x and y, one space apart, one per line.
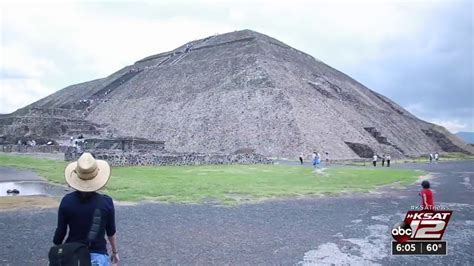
427 201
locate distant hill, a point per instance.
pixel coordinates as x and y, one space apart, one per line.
466 136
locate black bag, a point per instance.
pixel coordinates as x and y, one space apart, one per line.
77 253
70 254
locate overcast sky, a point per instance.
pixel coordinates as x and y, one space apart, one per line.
418 53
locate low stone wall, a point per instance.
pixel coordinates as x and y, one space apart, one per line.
33 149
50 112
125 144
143 159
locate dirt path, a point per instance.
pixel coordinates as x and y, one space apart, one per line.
28 202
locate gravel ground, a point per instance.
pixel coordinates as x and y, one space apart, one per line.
332 230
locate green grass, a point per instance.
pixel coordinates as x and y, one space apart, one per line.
53 170
227 184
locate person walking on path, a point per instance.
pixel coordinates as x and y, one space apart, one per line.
374 160
77 209
301 158
316 159
383 160
388 160
427 201
436 157
328 161
313 159
431 158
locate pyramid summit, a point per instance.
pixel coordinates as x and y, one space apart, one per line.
238 90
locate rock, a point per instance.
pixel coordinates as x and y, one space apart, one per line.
13 191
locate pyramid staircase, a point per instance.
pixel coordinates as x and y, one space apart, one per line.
382 139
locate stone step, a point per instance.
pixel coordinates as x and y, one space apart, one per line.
50 112
115 84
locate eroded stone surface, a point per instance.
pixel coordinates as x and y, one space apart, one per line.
231 91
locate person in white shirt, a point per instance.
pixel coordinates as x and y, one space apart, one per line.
374 160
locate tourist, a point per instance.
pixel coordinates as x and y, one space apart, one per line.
327 159
301 158
431 158
80 140
388 160
383 159
78 148
77 210
436 157
374 160
427 201
314 160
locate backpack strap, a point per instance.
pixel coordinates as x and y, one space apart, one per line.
96 220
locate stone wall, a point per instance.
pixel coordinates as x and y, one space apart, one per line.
32 149
125 144
119 158
50 112
53 128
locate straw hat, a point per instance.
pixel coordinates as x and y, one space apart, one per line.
87 174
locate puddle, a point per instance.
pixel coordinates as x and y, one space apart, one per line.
25 188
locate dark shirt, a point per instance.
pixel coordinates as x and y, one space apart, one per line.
77 214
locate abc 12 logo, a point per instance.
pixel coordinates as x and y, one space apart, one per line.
422 225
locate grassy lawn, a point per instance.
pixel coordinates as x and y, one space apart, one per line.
228 184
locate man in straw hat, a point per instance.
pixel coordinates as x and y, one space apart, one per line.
77 208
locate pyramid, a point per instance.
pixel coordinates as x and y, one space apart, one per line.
234 91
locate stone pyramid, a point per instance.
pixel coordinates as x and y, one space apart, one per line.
234 91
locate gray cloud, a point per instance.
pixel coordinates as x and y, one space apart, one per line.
431 72
418 53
